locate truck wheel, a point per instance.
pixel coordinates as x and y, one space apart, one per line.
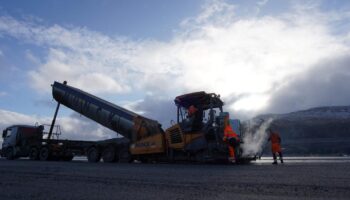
44 154
108 155
34 154
10 154
93 155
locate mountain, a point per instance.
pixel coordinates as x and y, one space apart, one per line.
316 131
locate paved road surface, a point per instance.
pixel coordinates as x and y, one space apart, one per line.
24 179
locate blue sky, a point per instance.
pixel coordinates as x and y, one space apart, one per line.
134 19
263 56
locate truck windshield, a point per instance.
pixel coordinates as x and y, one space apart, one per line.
6 133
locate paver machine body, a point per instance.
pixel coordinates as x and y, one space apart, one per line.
200 137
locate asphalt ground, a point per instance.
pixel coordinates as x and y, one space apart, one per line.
25 179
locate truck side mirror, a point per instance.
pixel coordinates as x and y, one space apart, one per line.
4 133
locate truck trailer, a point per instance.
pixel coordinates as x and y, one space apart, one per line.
29 141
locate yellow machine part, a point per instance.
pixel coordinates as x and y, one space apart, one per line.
148 145
176 139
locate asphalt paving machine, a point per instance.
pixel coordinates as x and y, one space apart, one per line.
197 138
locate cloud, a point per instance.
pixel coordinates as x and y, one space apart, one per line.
162 109
76 55
217 11
72 127
29 56
325 84
249 60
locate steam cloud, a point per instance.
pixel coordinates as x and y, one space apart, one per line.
255 137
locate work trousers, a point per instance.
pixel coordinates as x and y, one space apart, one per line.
275 157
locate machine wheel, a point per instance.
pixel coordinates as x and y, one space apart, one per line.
34 154
109 155
44 154
93 155
10 154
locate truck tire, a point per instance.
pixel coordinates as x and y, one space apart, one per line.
93 155
109 155
34 154
10 154
44 154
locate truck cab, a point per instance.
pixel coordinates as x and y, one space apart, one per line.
18 139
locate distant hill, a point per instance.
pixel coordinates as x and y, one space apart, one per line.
316 131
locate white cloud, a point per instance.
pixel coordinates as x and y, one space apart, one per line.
247 59
217 11
30 57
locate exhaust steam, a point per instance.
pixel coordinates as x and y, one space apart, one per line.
255 136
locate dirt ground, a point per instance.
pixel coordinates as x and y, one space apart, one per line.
24 179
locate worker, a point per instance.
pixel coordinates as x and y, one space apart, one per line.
194 118
275 140
192 111
231 138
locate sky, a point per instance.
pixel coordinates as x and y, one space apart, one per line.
265 56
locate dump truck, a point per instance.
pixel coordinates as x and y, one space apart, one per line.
189 139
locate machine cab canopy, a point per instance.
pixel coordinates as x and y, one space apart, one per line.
201 100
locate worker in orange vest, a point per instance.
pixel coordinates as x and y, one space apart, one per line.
194 120
231 138
275 145
191 111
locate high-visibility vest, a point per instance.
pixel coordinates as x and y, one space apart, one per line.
275 138
275 143
192 110
229 133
